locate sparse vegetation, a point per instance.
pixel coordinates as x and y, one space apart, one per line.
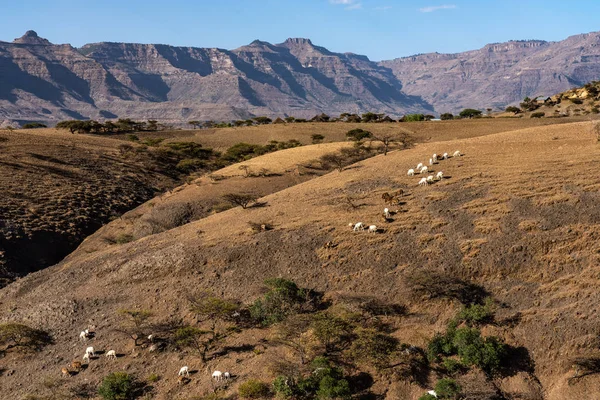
358 134
20 336
283 298
117 386
316 138
135 323
446 116
537 114
253 389
34 125
243 200
470 113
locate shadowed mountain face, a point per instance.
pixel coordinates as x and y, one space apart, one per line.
499 74
40 81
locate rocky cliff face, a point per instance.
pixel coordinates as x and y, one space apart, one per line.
499 74
40 81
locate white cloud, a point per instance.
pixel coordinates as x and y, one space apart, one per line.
350 4
436 8
383 8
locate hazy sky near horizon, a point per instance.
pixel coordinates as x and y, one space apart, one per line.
380 29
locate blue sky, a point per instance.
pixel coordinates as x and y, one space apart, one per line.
380 29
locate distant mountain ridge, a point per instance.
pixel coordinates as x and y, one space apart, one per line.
40 81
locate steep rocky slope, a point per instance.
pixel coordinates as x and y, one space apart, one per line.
45 82
56 189
523 228
501 73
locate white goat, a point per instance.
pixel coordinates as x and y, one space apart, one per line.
372 228
358 227
419 165
439 176
151 338
184 371
431 161
226 376
217 375
445 156
424 170
386 213
83 336
430 179
456 153
111 354
86 358
90 351
434 157
411 172
432 393
423 182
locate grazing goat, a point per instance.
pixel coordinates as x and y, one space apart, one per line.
372 228
226 376
434 158
65 372
423 182
430 179
393 198
111 354
184 371
86 358
439 176
76 365
90 351
445 156
456 153
83 336
358 227
217 375
419 165
424 170
386 213
411 172
432 393
182 380
151 338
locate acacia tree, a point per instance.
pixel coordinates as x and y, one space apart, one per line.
240 199
14 335
195 124
135 323
214 313
389 139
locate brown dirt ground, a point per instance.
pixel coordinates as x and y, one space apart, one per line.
518 213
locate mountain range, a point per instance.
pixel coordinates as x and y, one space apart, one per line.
45 82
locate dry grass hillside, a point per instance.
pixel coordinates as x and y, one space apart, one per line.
57 188
515 218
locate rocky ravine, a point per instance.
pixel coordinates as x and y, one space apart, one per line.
41 81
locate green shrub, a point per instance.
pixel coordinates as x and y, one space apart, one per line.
316 138
478 314
577 101
190 165
34 125
358 134
413 117
117 386
469 113
283 298
153 142
253 389
153 378
447 389
595 110
513 109
446 116
452 365
428 397
133 138
539 114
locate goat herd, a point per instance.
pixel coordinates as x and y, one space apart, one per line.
90 354
394 197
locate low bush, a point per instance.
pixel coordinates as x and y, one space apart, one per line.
124 238
539 114
577 101
478 314
358 134
316 138
117 386
447 389
373 347
34 125
189 165
283 298
253 389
